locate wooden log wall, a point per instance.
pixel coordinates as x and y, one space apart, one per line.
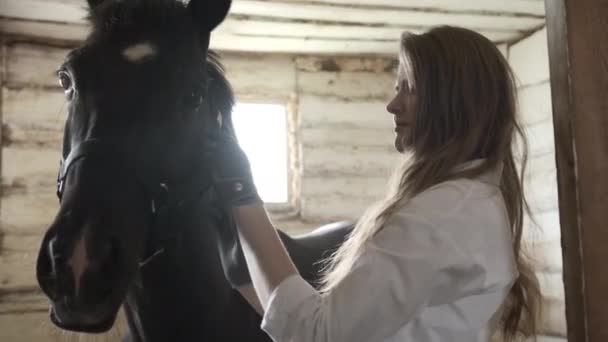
340 139
330 100
345 135
529 60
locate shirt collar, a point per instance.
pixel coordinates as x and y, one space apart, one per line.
492 176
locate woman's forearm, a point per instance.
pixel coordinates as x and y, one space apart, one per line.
268 261
248 292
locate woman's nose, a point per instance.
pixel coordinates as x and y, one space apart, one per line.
393 106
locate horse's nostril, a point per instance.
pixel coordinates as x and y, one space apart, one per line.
54 255
105 250
109 257
49 266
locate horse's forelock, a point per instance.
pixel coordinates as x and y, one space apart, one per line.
110 14
221 93
150 15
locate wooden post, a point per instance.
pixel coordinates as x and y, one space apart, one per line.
3 73
578 56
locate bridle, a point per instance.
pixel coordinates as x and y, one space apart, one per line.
162 198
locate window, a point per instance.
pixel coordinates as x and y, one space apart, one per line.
262 133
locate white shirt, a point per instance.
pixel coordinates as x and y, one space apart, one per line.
439 271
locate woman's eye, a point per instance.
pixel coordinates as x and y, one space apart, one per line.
65 81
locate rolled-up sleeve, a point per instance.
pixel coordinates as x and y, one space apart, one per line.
407 266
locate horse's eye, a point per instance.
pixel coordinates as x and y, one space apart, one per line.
66 82
194 100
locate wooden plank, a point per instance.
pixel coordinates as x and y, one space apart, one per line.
542 192
251 74
552 284
578 83
43 10
15 243
504 49
541 183
18 269
36 326
347 85
545 227
74 33
363 187
529 59
295 226
27 327
34 107
31 168
27 137
23 212
553 321
68 34
315 29
33 65
33 117
348 161
2 131
346 64
319 136
521 7
271 28
332 112
288 45
552 288
540 164
540 138
547 256
333 208
535 103
260 76
346 14
237 35
546 338
22 300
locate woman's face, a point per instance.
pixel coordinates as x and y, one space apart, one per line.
403 107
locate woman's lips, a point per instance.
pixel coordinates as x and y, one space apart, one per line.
399 127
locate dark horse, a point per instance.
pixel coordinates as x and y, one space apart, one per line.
138 218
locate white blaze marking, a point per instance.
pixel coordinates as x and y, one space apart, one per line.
79 261
138 52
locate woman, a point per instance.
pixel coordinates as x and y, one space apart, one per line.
440 258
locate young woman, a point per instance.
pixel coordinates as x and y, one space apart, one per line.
440 258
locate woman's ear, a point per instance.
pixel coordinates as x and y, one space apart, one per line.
208 14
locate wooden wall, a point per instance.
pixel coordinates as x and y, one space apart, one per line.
529 60
339 129
341 155
345 135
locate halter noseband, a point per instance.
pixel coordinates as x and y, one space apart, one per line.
162 198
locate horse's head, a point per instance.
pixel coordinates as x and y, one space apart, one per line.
138 108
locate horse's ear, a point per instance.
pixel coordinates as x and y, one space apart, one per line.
94 3
208 14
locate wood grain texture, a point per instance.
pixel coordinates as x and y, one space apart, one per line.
579 79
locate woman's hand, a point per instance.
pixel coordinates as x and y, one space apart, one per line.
266 258
231 172
232 175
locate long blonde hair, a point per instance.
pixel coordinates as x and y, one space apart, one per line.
465 110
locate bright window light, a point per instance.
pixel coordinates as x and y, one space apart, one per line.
262 133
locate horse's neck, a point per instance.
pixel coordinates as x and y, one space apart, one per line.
183 292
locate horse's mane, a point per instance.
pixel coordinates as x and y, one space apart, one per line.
220 93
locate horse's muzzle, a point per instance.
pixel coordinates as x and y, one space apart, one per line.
80 277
